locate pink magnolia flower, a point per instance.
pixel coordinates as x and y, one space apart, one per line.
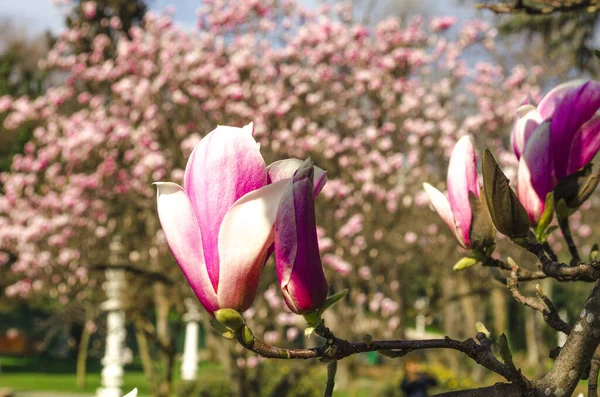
220 241
297 257
456 210
555 139
220 225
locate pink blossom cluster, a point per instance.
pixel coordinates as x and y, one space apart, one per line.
380 107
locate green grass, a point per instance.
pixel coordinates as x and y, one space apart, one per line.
58 375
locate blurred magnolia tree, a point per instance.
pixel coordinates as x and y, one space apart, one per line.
379 107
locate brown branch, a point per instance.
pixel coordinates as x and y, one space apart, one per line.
151 275
575 356
545 306
522 274
337 349
562 271
331 370
545 8
497 390
565 228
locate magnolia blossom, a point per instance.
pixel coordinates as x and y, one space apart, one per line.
456 210
220 225
298 261
554 139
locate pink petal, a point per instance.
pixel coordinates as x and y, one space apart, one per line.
535 178
441 205
224 166
462 179
527 120
245 236
586 144
548 103
284 169
576 108
183 236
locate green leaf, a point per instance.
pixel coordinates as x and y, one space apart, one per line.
230 318
507 213
546 217
464 263
330 301
550 230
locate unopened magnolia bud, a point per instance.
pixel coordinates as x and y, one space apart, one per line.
482 328
230 318
464 263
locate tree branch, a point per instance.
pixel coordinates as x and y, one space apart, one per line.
544 8
331 370
562 271
337 349
545 306
576 354
497 390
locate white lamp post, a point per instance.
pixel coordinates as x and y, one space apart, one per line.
189 362
115 355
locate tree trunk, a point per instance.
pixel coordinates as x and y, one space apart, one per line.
532 339
498 298
469 307
346 373
145 355
167 346
82 356
450 319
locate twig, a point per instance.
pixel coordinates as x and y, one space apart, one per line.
152 276
562 271
545 306
550 251
337 349
563 223
522 274
497 390
331 370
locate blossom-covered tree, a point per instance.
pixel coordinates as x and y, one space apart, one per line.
379 107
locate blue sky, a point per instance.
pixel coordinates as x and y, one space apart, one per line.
39 15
